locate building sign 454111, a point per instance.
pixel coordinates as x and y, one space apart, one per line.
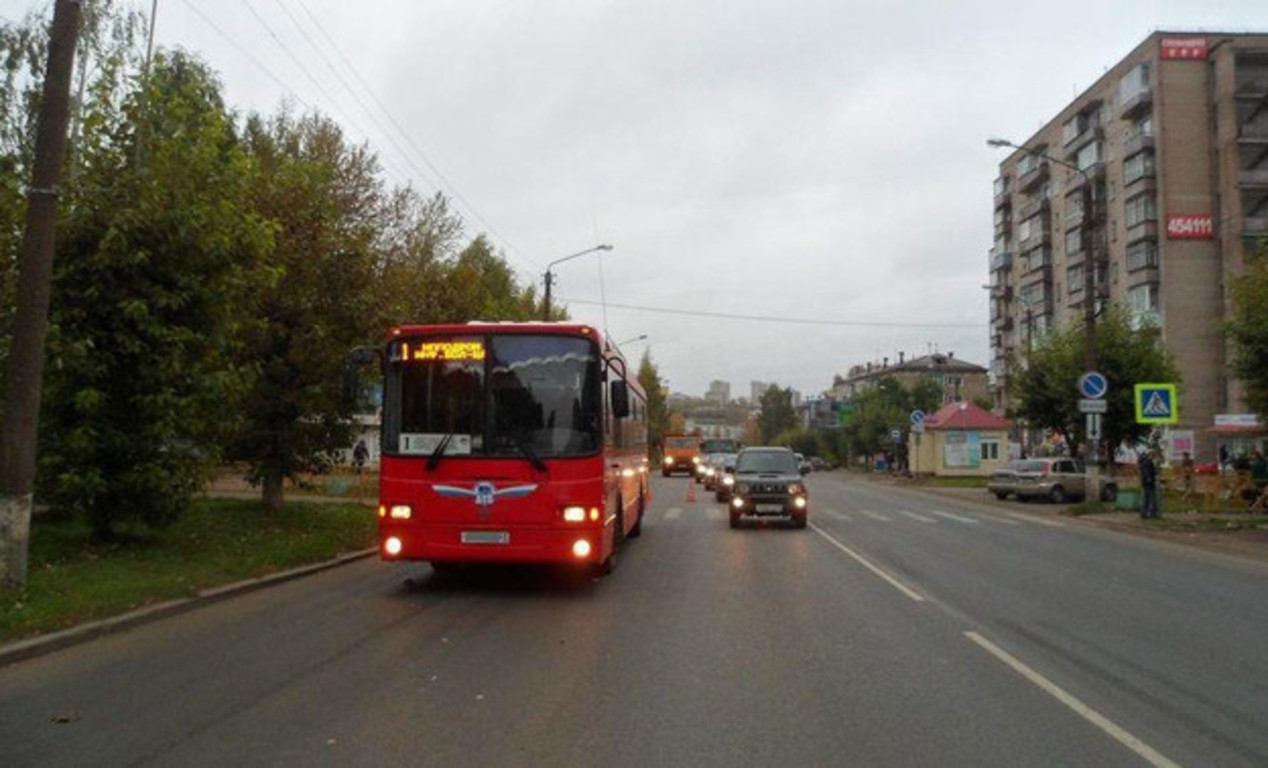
1190 227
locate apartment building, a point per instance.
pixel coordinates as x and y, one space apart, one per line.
958 380
1172 145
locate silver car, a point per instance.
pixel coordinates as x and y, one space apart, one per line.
1056 479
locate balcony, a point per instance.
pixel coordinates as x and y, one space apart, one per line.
1004 323
1002 260
1137 104
1031 179
1034 207
1095 172
1089 135
1142 230
1039 240
1003 196
1252 178
1138 143
1144 183
1002 293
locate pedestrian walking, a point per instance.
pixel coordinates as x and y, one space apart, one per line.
1186 473
1148 485
359 456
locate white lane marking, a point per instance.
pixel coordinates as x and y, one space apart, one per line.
714 513
875 516
957 518
1152 756
1000 521
1035 520
673 513
893 582
916 516
836 514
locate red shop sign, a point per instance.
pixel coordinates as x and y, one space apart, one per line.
1184 48
1196 227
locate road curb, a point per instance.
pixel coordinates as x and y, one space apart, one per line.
38 646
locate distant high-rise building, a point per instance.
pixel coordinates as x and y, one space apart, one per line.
719 392
1173 141
757 389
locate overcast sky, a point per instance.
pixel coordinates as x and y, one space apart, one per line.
815 160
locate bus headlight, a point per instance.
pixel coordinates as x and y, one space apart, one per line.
574 514
400 512
393 546
581 549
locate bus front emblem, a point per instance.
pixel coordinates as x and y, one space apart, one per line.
484 493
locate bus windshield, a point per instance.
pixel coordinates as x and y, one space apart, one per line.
509 395
720 445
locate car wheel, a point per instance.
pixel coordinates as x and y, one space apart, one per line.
735 519
1109 493
1001 495
799 521
1057 495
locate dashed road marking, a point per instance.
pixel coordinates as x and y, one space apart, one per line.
673 513
916 516
714 513
957 518
876 516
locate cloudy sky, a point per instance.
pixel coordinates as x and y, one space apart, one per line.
752 163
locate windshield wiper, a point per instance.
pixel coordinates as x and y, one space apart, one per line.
434 458
527 449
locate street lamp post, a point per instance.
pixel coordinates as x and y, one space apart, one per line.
549 277
1087 235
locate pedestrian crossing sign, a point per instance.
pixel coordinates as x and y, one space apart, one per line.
1156 404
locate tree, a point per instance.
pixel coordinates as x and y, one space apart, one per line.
1248 329
657 410
1044 383
323 199
151 277
777 414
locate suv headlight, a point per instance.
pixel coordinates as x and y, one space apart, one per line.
796 488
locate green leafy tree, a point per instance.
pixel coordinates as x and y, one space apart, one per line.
657 411
153 269
1043 385
882 408
777 414
323 198
1248 330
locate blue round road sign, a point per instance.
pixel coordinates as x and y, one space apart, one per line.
917 417
1093 385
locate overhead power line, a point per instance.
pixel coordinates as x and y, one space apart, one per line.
770 318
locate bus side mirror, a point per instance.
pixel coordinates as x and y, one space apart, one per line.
620 399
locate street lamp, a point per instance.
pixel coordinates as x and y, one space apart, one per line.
1087 235
640 337
550 277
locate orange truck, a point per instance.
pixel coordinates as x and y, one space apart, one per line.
681 454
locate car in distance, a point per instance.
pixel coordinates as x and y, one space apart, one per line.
680 453
1003 480
725 478
768 484
1057 479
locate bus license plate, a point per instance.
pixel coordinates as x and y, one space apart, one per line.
486 537
770 507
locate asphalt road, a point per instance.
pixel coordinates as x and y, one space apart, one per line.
900 629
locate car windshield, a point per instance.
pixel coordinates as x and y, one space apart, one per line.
507 395
766 461
1033 465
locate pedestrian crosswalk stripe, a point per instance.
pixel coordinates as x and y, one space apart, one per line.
673 513
876 516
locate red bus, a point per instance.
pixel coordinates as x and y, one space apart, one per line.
509 443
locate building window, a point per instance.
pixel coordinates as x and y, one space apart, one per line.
1026 164
1074 278
1142 303
990 449
1074 242
1036 258
1032 227
1034 294
1138 166
1140 209
1141 255
1088 156
1001 185
1133 83
1141 128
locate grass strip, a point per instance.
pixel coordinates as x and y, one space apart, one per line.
72 579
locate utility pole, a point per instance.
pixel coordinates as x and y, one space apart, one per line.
24 377
1093 463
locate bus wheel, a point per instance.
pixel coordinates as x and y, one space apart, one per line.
637 530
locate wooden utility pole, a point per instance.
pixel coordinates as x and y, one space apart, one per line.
24 377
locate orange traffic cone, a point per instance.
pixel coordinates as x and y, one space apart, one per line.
691 489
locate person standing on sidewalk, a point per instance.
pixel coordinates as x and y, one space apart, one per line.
1148 485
